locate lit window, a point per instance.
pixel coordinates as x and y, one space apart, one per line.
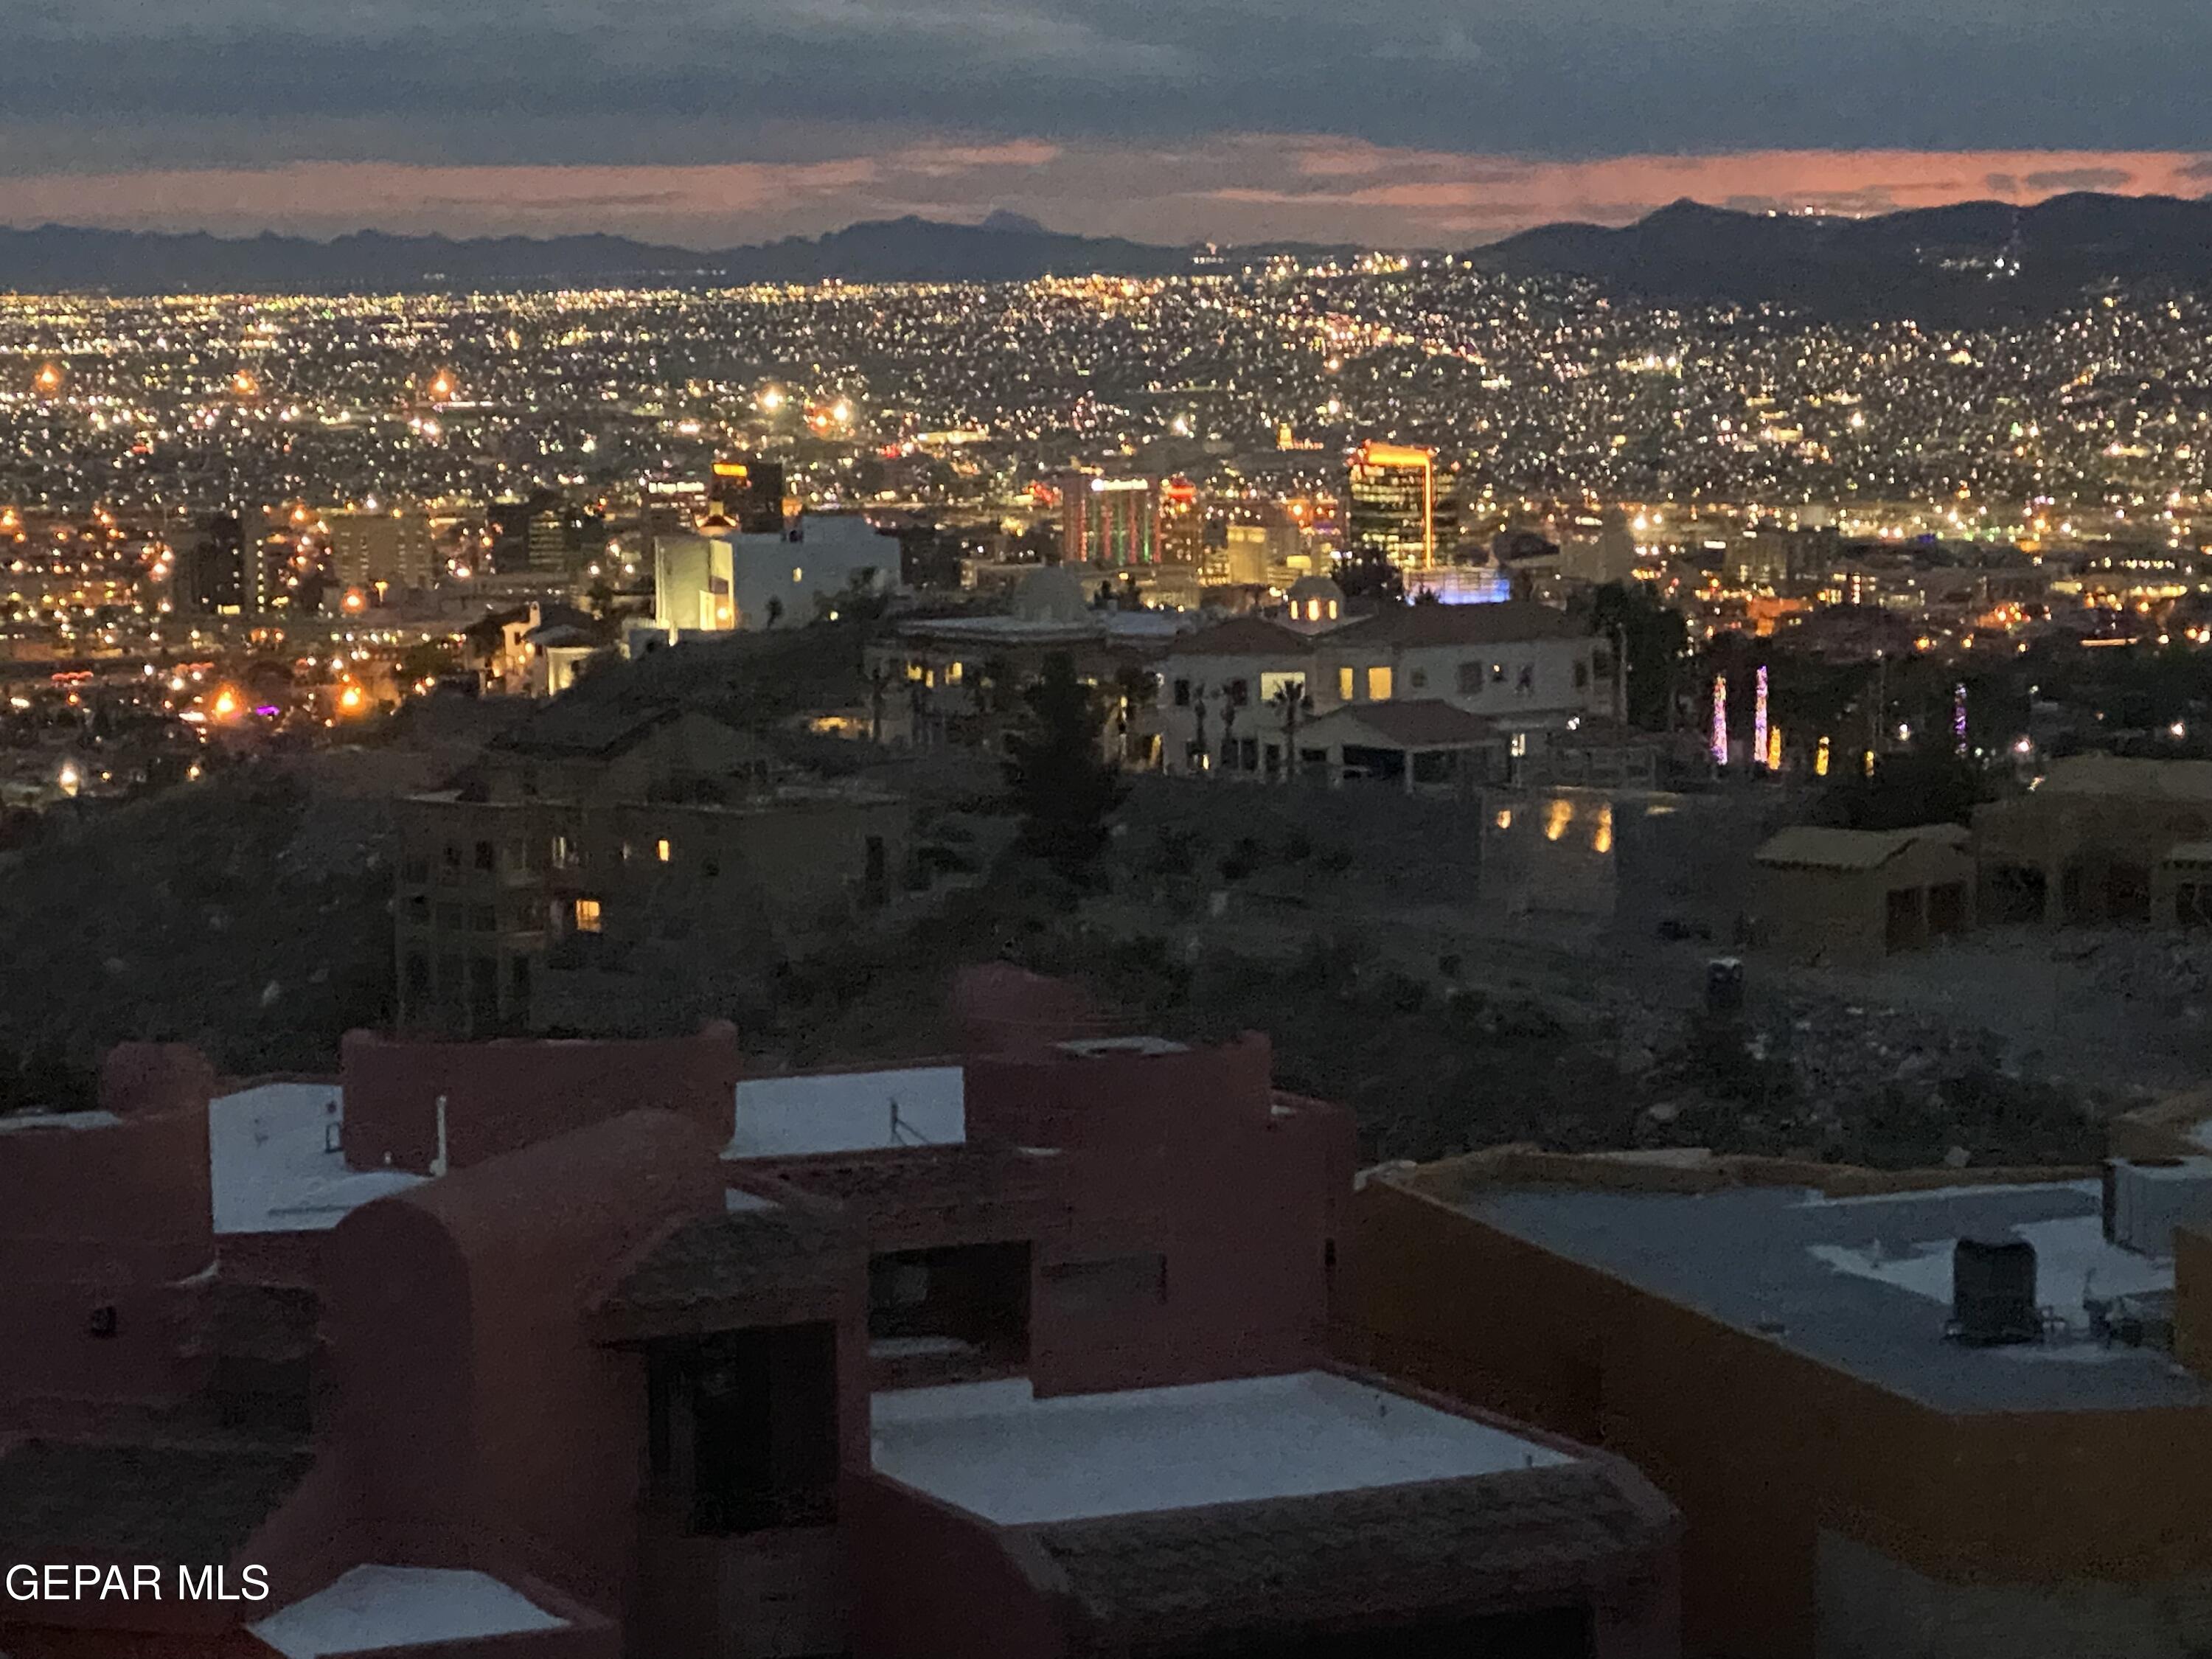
660 849
587 915
797 574
1378 685
1344 685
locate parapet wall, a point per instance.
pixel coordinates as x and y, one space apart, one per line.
501 1097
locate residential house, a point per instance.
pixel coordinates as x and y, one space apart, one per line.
1469 688
566 1350
1906 1414
602 868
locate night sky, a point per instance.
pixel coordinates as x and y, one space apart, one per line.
1418 121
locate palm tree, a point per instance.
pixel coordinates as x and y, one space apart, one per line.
879 686
918 709
1291 705
1134 687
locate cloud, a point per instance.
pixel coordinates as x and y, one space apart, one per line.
2080 179
1238 187
701 82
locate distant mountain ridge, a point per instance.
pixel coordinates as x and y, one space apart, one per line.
1004 247
1973 261
1968 261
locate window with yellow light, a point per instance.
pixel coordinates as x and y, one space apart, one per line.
587 915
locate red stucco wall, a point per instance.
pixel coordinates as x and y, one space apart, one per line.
501 1097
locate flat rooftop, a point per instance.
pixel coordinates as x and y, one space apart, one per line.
1864 1284
995 1449
375 1607
274 1165
820 1112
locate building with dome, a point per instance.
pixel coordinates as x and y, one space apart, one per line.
1051 596
1316 604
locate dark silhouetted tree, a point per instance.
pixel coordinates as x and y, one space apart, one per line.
1063 787
1924 785
1655 637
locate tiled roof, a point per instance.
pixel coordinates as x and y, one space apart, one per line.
1244 636
903 1175
194 1505
574 727
1421 723
1167 1583
724 1258
1811 847
944 1190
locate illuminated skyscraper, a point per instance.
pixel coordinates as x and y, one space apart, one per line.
751 493
1111 523
1389 523
1182 523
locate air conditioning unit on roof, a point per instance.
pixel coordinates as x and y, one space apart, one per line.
2146 1199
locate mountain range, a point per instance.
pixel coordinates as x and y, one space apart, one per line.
1971 262
1005 247
1974 261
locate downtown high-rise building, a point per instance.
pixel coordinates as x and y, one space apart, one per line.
1113 524
382 551
1181 523
224 570
1389 515
750 493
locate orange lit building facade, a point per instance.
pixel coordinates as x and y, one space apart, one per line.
1390 507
